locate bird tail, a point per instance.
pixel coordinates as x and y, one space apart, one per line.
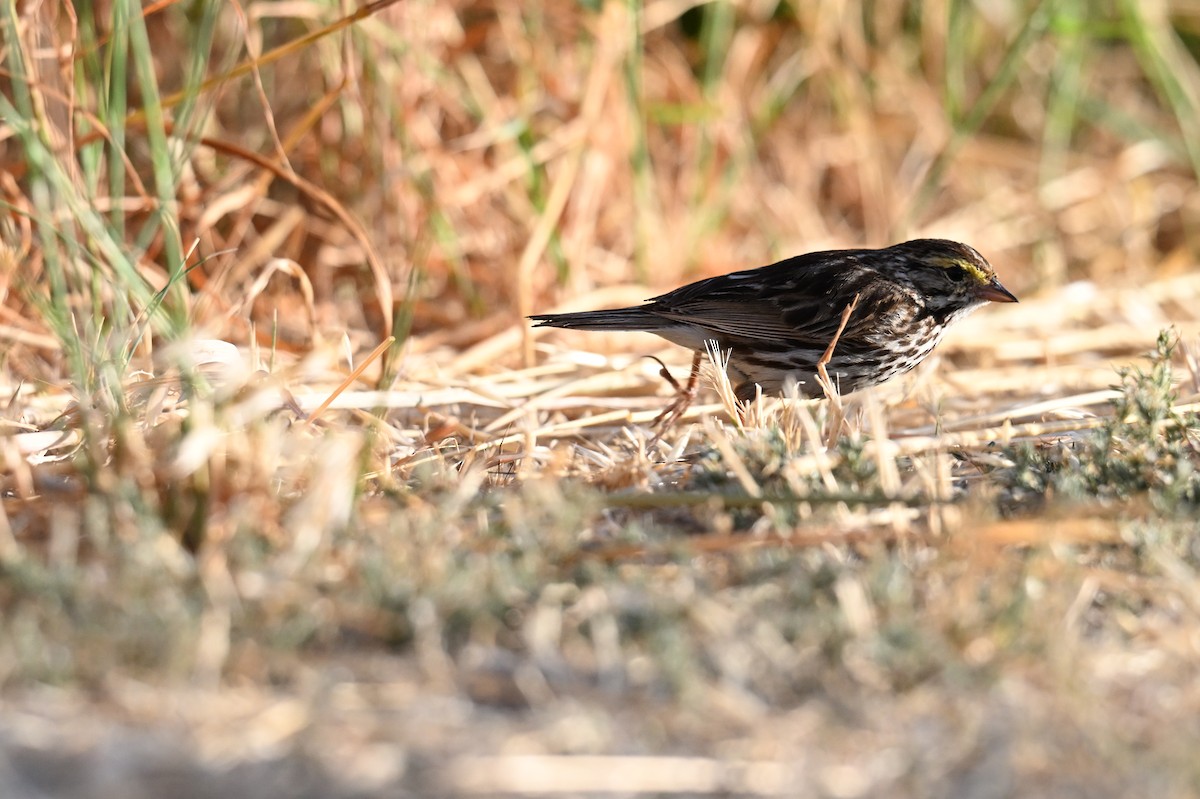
635 318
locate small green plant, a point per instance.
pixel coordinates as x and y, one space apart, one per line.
1145 447
784 470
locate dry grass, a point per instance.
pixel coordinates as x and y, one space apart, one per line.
243 526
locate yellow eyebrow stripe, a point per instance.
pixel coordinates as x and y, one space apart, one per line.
971 269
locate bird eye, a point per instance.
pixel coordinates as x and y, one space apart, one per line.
957 274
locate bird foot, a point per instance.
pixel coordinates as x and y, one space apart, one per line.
684 396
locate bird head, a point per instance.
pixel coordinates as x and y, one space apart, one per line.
952 277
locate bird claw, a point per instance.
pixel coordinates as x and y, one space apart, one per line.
684 396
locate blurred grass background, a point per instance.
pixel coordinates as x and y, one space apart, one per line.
215 212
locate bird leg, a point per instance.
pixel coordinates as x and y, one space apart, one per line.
684 395
822 373
827 385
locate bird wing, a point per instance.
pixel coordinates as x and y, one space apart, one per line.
792 316
793 300
762 320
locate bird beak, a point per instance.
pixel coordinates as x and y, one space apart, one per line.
994 292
